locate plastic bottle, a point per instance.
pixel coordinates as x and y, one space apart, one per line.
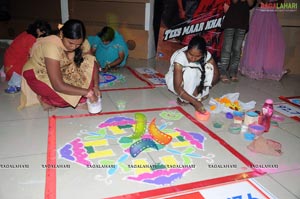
267 112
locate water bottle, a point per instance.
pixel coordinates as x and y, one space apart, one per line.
267 112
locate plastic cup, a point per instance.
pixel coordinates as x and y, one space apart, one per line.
256 129
249 136
202 116
250 117
95 107
121 105
218 124
235 128
237 120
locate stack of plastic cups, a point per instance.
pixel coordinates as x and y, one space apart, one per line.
251 117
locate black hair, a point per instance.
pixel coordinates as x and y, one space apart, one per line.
42 25
106 34
199 43
74 29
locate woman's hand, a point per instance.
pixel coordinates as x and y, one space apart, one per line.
199 107
91 96
94 94
97 91
106 68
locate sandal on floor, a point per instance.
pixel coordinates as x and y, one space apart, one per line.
234 79
12 89
224 79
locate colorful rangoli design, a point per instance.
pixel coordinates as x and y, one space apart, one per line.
152 75
110 79
138 137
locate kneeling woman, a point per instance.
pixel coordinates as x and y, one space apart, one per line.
191 74
60 71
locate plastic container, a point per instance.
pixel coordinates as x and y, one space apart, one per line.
237 120
238 114
235 128
244 128
256 129
277 118
249 136
95 107
266 114
202 116
251 117
218 124
121 105
229 115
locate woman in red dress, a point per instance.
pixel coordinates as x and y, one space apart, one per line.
17 53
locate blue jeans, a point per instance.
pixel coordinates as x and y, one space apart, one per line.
231 51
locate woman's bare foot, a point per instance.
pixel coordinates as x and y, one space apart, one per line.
224 79
46 107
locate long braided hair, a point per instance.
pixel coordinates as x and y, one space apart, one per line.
199 43
74 29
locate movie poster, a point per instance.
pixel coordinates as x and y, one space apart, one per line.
183 19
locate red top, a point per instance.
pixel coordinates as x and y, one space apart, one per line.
17 54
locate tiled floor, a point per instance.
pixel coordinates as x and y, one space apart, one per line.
24 134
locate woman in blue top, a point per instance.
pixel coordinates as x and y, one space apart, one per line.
110 49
